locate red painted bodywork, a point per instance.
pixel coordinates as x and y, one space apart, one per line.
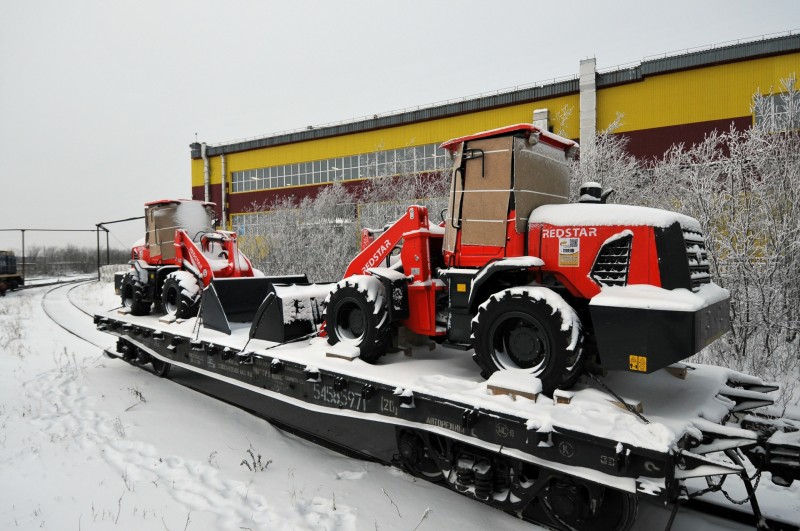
419 240
540 240
419 244
480 255
544 238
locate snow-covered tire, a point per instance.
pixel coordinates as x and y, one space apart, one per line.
356 315
529 329
180 295
133 295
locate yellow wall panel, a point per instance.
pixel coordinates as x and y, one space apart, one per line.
429 132
697 95
689 96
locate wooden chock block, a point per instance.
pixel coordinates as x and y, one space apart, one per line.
514 384
678 371
562 397
343 352
635 404
513 393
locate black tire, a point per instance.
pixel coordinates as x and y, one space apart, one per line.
352 318
514 331
180 295
566 502
133 296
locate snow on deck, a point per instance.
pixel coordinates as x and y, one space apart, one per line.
673 406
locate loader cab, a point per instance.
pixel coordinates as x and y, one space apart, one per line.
163 217
499 177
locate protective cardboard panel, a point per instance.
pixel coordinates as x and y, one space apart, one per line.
164 225
453 206
162 220
487 191
541 177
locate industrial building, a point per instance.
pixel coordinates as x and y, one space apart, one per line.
666 100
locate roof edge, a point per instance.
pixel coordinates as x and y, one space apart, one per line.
707 57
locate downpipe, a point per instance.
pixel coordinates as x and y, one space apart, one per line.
224 192
206 172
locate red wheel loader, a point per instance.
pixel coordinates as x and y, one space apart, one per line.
528 281
180 256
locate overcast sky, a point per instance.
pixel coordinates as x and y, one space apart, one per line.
99 100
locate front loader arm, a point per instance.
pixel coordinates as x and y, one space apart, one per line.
415 218
238 265
191 259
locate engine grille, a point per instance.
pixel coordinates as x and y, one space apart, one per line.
697 254
612 262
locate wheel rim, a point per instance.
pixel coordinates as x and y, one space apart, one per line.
127 296
351 322
417 457
520 342
172 301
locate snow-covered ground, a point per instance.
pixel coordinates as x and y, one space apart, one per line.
87 442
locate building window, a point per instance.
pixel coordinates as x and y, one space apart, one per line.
778 112
383 163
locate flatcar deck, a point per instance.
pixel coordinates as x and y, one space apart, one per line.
427 410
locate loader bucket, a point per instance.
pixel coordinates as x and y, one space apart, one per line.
290 311
228 300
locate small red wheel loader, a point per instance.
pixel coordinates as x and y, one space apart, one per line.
182 256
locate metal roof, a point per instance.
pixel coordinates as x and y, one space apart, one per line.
707 57
702 58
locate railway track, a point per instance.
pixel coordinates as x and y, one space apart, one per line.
64 312
61 308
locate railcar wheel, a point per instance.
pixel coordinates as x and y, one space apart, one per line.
518 329
160 368
417 457
356 314
133 296
567 502
180 295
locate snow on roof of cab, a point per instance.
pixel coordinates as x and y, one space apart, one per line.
605 215
552 139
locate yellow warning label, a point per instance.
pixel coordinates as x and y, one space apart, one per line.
638 363
461 288
569 260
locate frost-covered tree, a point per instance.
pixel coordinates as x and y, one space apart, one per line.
561 118
314 236
319 236
743 186
607 161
